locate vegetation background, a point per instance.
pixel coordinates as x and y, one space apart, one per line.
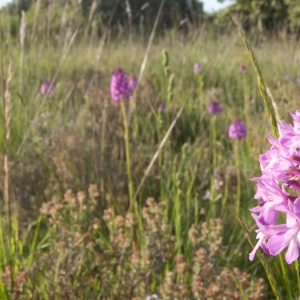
68 229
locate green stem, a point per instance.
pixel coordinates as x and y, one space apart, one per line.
127 153
298 276
212 206
238 178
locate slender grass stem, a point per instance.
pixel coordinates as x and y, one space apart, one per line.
298 275
286 280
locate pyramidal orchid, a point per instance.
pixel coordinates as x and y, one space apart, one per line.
278 192
47 87
133 83
119 86
197 67
214 108
237 130
243 68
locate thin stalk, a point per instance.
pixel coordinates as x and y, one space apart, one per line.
212 208
286 281
127 153
269 107
298 275
238 177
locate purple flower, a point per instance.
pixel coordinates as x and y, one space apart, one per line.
162 107
133 83
197 67
214 108
119 86
298 79
47 87
243 68
287 76
237 130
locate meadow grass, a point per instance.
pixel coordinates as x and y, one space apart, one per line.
70 233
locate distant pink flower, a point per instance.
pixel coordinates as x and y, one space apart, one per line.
243 68
47 87
214 108
119 86
237 130
287 76
133 83
298 79
162 107
197 67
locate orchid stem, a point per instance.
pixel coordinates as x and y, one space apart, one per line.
238 177
127 153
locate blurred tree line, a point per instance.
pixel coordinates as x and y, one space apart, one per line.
122 12
267 16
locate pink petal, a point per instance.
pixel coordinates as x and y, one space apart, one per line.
293 251
277 243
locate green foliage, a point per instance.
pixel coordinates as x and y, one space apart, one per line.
270 17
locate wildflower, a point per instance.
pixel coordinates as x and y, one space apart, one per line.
277 187
298 79
133 83
243 68
287 76
119 86
162 107
237 130
214 108
197 67
47 87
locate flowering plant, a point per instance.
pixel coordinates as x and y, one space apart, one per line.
214 108
278 191
47 87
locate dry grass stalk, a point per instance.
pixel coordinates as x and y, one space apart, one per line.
91 14
22 40
37 6
7 119
274 104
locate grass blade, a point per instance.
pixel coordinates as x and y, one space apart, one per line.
261 84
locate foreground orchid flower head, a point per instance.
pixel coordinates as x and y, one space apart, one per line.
197 67
47 87
214 108
119 86
237 130
278 192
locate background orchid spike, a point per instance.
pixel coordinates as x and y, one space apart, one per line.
119 86
276 190
237 130
243 68
214 108
287 76
162 107
47 87
133 83
197 67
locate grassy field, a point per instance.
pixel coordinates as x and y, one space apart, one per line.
69 230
